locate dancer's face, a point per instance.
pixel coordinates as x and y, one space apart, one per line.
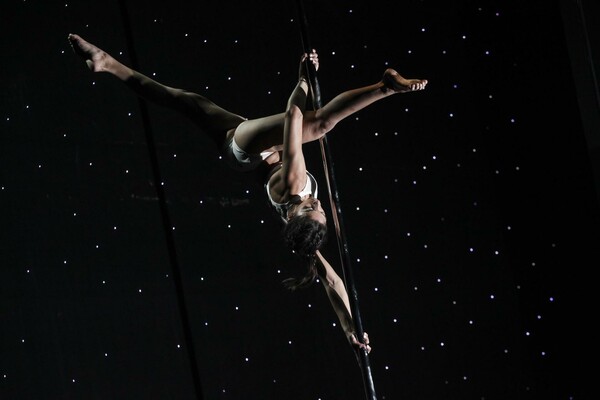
310 207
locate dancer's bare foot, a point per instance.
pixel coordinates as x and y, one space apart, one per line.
393 80
96 59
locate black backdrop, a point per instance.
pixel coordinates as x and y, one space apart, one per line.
470 207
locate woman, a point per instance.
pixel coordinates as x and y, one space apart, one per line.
276 142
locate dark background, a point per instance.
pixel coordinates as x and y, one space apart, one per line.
471 208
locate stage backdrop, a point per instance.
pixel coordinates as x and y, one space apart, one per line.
470 208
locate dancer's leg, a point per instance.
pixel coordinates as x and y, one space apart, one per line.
347 103
263 133
255 135
211 118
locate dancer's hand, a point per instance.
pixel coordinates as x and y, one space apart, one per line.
358 345
313 57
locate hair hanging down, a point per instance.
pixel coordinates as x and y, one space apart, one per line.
304 236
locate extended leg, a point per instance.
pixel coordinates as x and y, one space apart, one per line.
263 133
211 118
347 103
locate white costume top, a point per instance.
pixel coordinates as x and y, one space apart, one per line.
311 187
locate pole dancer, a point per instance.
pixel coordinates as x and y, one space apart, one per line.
274 144
362 354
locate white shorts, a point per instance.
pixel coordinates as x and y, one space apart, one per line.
240 160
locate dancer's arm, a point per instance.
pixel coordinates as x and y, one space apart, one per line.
338 296
293 169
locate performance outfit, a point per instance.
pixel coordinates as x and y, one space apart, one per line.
240 160
310 188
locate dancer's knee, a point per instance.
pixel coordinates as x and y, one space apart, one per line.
325 125
317 124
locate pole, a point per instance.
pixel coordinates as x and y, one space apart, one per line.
336 209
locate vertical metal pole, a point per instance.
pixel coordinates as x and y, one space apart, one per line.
336 210
167 225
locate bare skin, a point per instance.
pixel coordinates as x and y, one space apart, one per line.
338 296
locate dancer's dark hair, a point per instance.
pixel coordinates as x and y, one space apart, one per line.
304 236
